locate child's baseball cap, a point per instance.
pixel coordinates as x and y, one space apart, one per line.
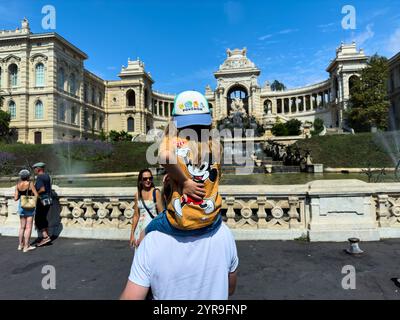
191 109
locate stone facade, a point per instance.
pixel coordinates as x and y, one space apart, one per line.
52 97
394 90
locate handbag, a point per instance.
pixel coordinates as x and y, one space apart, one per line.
28 202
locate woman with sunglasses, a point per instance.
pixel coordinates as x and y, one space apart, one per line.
148 203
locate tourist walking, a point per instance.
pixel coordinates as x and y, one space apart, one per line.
26 195
148 203
43 187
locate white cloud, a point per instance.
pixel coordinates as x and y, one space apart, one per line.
267 36
363 37
286 31
393 45
322 26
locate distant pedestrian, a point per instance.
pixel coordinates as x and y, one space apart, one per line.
43 187
148 203
26 195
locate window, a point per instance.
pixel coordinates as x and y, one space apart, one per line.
100 96
39 75
94 121
101 123
131 99
93 95
131 124
85 92
12 109
62 112
0 76
39 110
86 119
72 84
73 115
13 75
61 78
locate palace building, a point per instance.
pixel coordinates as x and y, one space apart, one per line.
52 97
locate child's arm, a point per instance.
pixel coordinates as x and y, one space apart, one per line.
168 160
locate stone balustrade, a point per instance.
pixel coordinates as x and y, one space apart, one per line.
325 210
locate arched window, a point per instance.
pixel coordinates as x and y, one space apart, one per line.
39 75
39 110
238 94
72 84
61 78
62 112
13 75
130 98
12 109
267 106
131 124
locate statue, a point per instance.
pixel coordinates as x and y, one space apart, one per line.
237 106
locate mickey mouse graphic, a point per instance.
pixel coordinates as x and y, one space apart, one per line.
199 174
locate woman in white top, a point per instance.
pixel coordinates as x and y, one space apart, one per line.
148 203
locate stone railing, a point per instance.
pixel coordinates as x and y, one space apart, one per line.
326 210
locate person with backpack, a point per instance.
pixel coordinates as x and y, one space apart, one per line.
148 203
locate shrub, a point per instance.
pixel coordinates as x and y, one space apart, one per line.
86 150
6 162
279 129
318 126
116 136
293 127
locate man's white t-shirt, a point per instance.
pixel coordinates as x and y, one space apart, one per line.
189 268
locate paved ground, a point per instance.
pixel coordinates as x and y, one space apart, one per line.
95 269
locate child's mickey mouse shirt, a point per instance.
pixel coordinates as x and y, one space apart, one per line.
183 211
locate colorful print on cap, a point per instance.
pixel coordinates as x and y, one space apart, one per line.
190 102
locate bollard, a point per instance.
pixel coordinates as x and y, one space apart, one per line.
354 247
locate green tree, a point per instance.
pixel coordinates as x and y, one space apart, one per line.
5 119
293 127
279 129
318 126
277 86
103 135
369 103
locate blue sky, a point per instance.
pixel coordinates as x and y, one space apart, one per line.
183 42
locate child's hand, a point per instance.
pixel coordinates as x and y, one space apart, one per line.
194 189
